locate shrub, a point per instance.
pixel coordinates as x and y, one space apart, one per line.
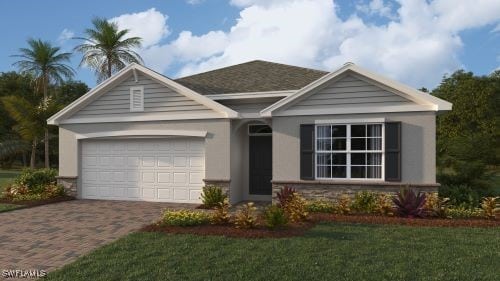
461 212
221 214
212 196
409 204
285 194
490 206
364 202
320 206
17 192
184 218
245 217
460 195
275 216
343 206
436 206
28 197
36 180
384 205
295 208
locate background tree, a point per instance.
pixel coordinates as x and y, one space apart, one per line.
468 136
46 64
106 49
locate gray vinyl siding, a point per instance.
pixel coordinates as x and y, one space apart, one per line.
249 105
349 91
158 100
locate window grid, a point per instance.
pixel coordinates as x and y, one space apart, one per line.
324 132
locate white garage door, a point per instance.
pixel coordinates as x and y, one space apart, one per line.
169 170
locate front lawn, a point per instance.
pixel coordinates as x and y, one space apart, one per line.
8 207
330 251
6 177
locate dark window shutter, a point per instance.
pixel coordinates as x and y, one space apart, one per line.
307 163
393 151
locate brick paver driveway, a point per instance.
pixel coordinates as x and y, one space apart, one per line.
50 236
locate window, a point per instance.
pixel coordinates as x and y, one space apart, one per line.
259 130
137 99
349 151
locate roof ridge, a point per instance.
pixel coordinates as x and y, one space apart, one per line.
252 61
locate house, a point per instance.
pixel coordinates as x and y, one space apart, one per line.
250 128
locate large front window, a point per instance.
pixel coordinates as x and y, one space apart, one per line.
349 151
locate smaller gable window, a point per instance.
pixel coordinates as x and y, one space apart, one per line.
137 99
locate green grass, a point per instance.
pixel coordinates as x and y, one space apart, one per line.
6 177
8 207
330 251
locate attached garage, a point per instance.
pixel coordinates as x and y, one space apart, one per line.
156 169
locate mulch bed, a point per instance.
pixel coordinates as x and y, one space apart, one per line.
431 222
33 203
228 230
299 229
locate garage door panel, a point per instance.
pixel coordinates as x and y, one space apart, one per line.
170 170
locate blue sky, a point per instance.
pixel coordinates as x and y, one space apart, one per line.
416 42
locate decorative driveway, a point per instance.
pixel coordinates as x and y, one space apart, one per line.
50 236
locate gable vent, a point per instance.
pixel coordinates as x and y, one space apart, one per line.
137 99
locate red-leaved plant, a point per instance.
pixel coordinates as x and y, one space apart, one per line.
285 195
410 204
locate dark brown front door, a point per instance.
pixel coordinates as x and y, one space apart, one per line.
261 162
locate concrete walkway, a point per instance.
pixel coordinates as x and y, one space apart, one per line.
50 236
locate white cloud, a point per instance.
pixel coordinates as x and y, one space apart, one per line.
376 7
150 25
65 35
194 2
418 44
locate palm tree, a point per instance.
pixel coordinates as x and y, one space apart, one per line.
106 50
46 64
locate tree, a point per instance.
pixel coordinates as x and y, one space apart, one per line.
468 136
47 65
106 50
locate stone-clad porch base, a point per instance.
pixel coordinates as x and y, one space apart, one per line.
331 190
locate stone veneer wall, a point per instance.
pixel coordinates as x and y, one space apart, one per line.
222 183
316 190
69 184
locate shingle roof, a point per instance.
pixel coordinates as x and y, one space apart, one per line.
253 76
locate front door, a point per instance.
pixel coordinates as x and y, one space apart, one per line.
261 162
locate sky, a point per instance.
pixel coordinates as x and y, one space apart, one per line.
414 41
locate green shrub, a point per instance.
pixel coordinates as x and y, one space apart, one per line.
343 205
460 195
212 196
275 216
245 217
184 218
16 192
29 197
490 207
221 214
384 205
461 212
320 206
364 202
36 180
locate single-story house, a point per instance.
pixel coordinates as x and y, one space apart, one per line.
250 128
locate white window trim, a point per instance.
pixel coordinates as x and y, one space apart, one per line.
348 152
132 89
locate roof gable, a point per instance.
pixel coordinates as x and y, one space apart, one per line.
253 76
107 99
399 95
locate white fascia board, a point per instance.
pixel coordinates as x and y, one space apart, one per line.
356 110
143 133
251 95
350 121
165 117
229 113
391 85
81 101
